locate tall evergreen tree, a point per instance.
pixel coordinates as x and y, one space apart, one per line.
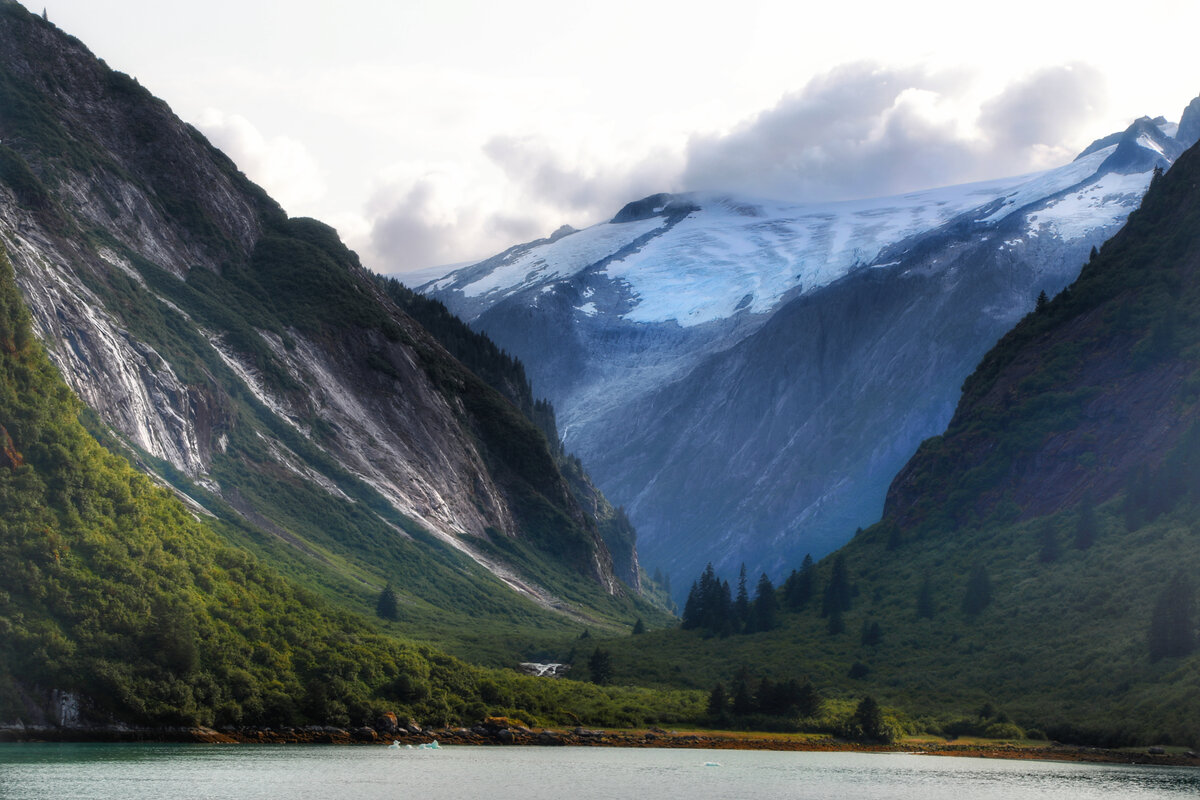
741 605
718 701
600 666
838 592
868 721
743 698
766 605
798 588
388 604
808 700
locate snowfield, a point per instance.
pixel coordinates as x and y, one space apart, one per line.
734 254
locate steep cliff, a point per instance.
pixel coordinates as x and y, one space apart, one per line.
252 362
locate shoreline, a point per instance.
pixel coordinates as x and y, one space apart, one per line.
584 737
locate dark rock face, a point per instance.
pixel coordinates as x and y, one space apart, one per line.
1189 124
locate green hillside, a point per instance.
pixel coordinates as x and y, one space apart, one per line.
113 590
1038 562
243 318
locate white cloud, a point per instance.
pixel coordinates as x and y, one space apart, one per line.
514 189
281 165
864 130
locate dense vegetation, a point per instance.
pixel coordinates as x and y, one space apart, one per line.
114 590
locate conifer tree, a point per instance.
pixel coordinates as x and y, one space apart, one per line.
808 700
388 604
838 592
868 721
639 627
743 700
718 701
741 605
798 588
766 605
600 666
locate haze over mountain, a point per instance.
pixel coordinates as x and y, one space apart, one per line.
746 376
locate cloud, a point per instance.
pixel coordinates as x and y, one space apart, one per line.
281 165
520 189
589 185
859 130
865 130
439 218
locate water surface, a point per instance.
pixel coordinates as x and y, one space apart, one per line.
294 772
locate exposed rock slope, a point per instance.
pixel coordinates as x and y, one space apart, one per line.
251 359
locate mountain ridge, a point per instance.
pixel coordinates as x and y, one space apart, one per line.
643 388
254 364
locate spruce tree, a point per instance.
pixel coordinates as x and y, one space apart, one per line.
639 627
718 701
798 588
838 591
388 604
600 666
766 605
741 606
868 723
808 700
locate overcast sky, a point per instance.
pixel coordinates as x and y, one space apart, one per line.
440 132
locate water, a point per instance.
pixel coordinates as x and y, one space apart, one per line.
296 772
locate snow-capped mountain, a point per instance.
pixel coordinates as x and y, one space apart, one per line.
746 376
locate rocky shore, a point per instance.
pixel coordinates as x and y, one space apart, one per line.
501 732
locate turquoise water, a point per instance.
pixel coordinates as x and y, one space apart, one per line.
294 772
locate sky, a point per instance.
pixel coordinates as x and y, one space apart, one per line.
434 133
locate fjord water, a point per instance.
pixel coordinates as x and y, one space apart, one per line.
191 772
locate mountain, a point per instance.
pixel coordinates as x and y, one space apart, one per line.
745 377
249 361
124 614
1035 568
